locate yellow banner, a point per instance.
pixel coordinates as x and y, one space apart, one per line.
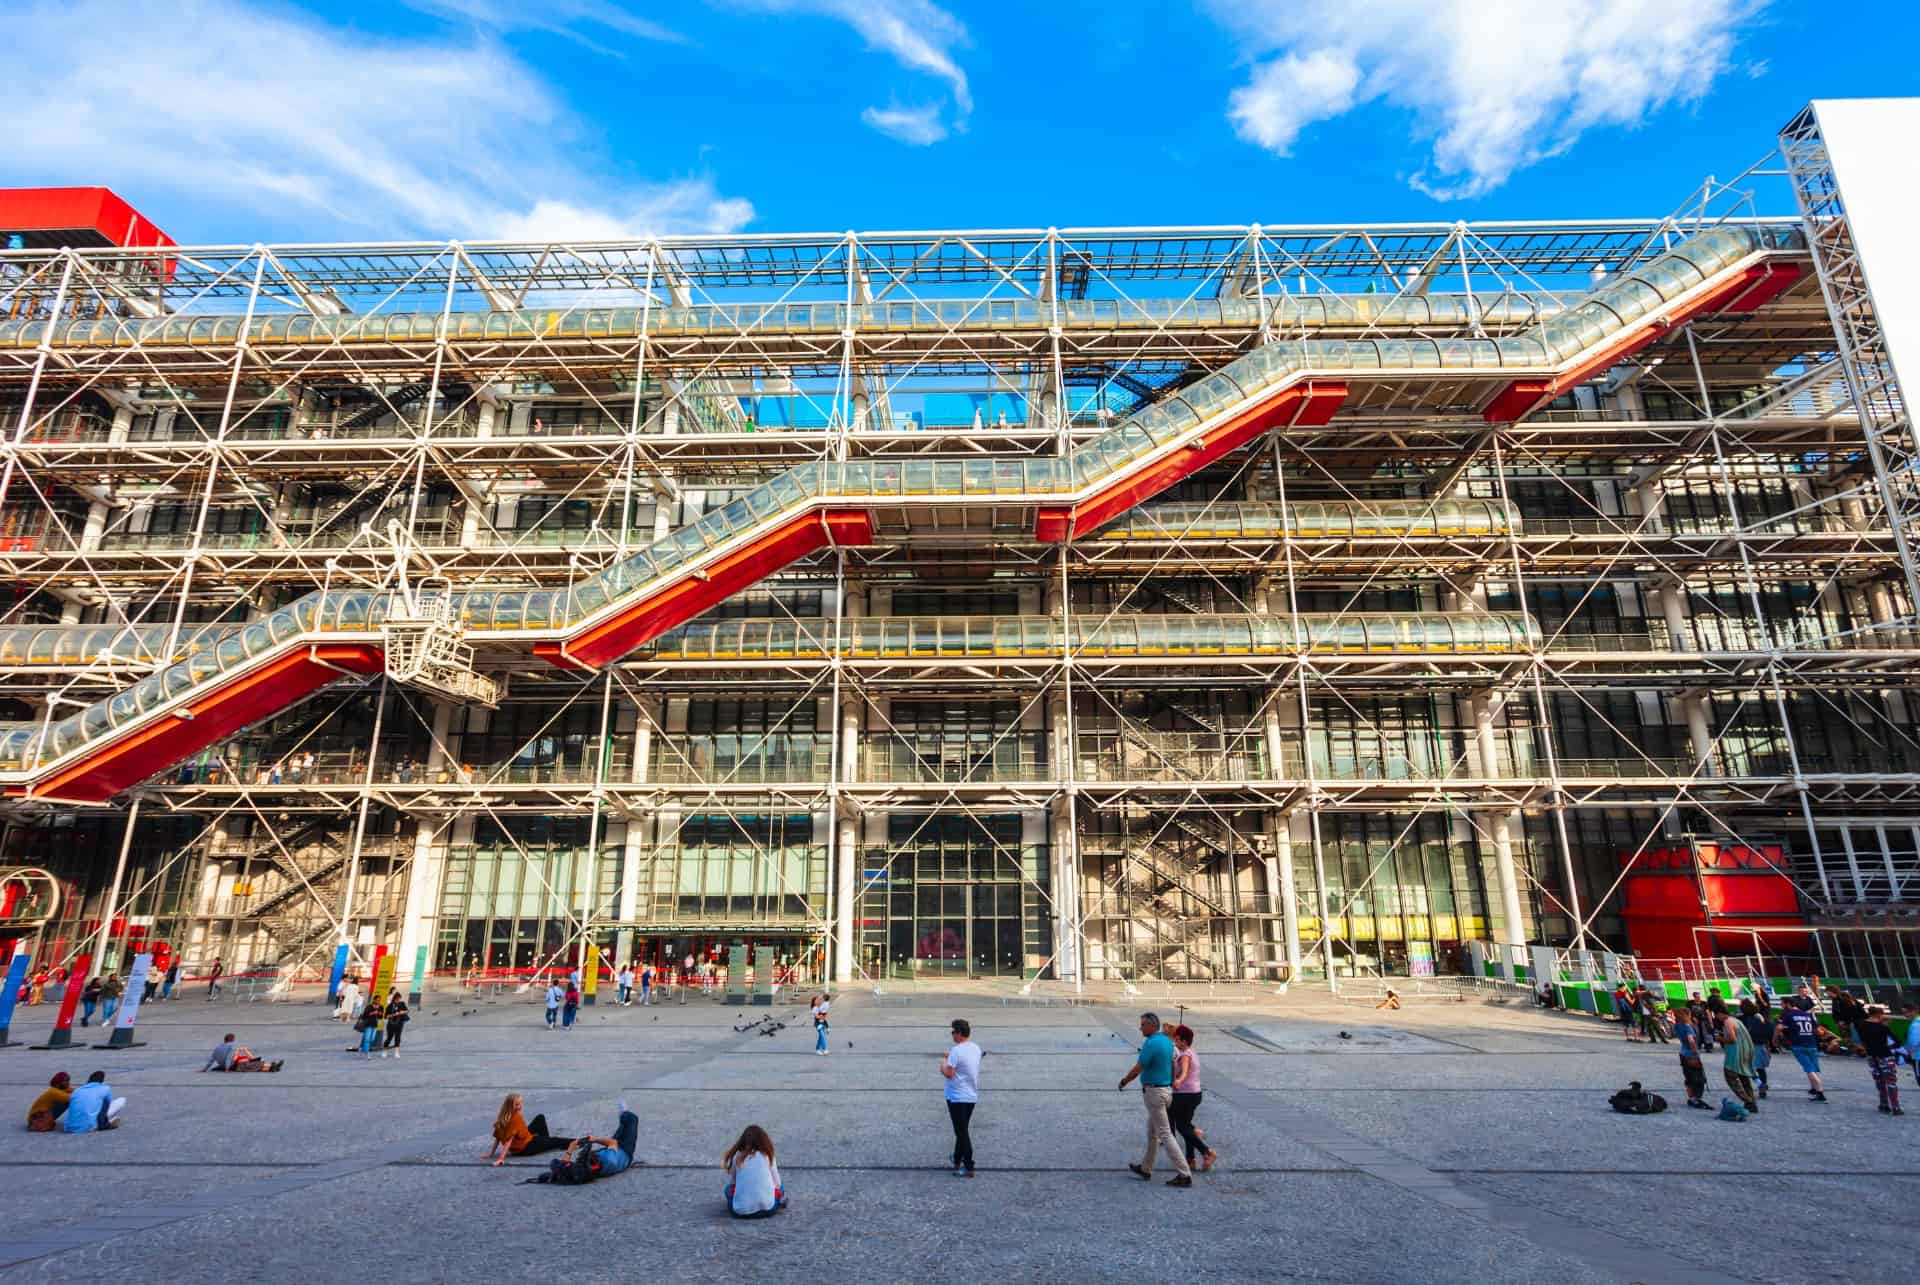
590 972
383 976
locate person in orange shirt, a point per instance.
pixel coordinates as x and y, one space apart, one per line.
514 1136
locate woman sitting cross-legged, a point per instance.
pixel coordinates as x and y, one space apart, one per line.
753 1180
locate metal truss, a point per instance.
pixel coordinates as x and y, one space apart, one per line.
640 384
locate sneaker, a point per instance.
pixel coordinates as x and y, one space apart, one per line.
1144 1175
1696 1102
1819 1097
1180 1180
959 1172
1885 1109
1896 1111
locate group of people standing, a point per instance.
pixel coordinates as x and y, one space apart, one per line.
370 1015
1751 1033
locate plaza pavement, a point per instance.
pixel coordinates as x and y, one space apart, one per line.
1447 1141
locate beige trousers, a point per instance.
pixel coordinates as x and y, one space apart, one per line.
1159 1131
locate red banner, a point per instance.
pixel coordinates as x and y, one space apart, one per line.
76 980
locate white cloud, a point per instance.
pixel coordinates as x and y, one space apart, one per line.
273 110
920 36
917 126
1495 85
561 17
1288 93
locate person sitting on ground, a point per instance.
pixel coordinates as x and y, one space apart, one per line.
1390 1000
229 1056
93 1106
50 1105
753 1179
515 1135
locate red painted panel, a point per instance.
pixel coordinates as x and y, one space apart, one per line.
1308 405
73 209
1745 888
247 699
1748 289
691 595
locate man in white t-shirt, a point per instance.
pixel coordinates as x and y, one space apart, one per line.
961 1067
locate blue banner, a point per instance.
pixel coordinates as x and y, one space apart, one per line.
339 971
419 973
16 973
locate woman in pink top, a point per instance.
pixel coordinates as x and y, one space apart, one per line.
1186 1099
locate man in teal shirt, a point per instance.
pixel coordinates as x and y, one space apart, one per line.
1154 1068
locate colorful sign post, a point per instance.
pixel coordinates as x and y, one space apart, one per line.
590 975
339 971
62 1036
16 974
384 964
419 975
121 1037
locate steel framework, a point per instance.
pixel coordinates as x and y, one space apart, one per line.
1430 668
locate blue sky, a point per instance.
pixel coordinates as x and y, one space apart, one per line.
244 120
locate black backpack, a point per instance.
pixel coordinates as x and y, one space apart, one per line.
577 1172
1634 1100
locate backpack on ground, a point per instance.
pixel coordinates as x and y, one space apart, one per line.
583 1168
1731 1111
1634 1100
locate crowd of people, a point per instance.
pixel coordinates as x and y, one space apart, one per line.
1749 1032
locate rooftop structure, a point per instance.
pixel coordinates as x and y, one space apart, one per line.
1199 603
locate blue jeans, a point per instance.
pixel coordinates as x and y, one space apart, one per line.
646 992
86 1010
553 1015
566 1016
626 993
820 1037
107 1006
369 1038
166 989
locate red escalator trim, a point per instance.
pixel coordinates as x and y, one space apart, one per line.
247 699
1748 289
1309 404
719 580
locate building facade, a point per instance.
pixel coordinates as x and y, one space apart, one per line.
1186 603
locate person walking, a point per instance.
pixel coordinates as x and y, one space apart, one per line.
1186 1099
1876 1037
570 1004
213 978
1801 1031
1737 1062
1760 1031
369 1026
646 985
110 992
625 982
1153 1067
960 1068
89 999
821 1007
397 1018
1692 1070
556 996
